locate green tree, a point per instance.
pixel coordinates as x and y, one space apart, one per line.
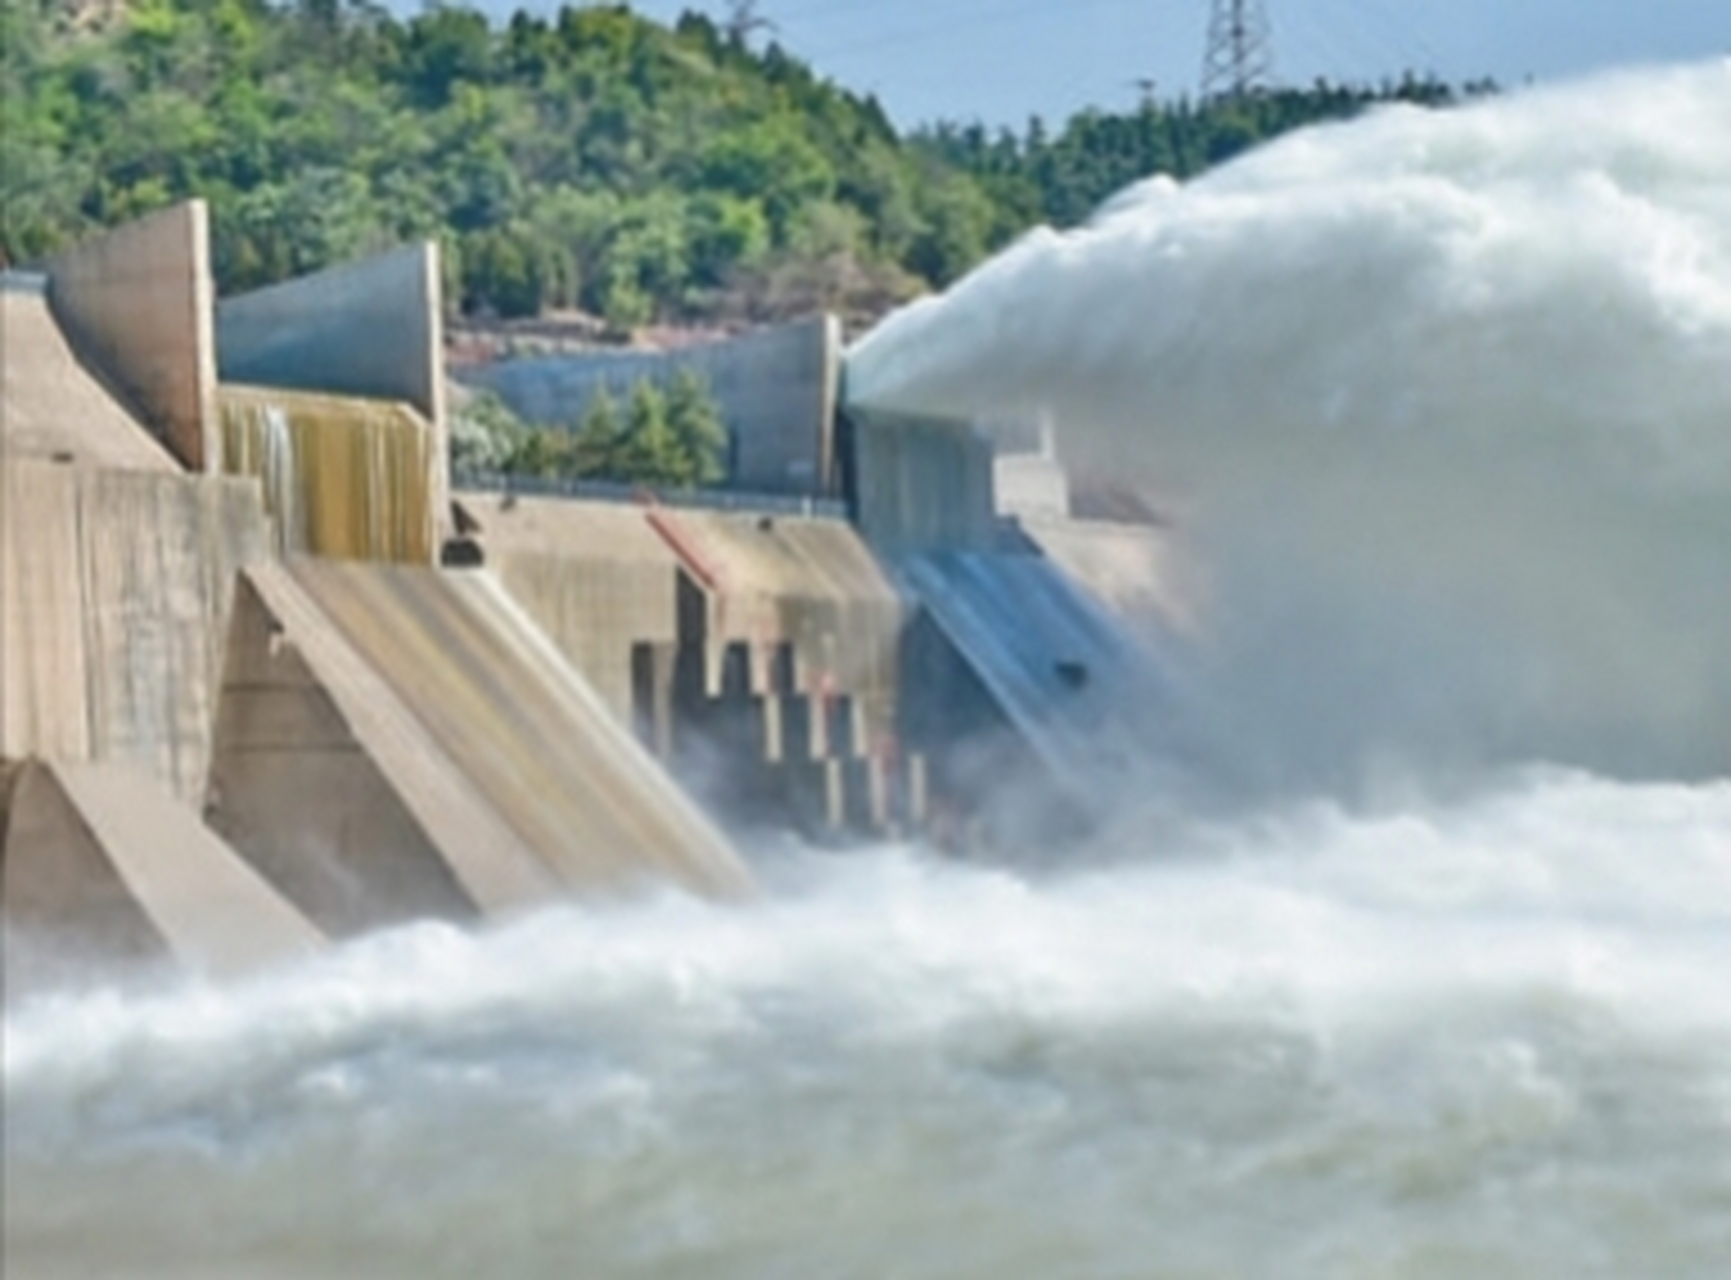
649 452
595 445
594 157
485 434
695 421
544 453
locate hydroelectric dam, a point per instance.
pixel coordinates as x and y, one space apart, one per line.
275 677
1398 945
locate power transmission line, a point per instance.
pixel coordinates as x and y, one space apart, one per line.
1240 53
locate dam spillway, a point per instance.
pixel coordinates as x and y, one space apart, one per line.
225 596
223 545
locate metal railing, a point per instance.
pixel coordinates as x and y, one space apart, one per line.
781 504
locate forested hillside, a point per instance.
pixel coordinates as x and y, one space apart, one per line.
590 159
1062 178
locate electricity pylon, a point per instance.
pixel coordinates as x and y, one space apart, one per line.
1240 53
743 19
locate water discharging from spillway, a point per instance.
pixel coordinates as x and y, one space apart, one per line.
1448 1000
1443 404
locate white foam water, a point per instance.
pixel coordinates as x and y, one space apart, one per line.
1443 403
1487 1037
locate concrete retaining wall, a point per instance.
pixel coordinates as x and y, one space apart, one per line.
371 328
115 588
776 390
136 303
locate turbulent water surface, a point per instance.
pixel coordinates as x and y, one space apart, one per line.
1488 1037
1446 402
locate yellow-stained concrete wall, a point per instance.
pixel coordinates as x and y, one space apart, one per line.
344 477
372 328
136 302
115 590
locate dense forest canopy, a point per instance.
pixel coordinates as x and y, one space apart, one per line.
590 159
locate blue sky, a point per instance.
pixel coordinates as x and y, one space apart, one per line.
1002 60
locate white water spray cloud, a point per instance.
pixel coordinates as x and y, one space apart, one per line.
1370 1039
1447 397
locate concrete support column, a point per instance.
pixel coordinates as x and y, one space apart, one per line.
137 304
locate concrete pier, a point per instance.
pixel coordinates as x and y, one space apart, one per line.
400 742
103 868
135 303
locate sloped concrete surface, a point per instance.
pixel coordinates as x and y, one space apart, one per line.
103 867
484 774
332 788
595 577
523 726
1078 689
51 406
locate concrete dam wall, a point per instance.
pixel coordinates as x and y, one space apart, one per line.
759 651
237 687
777 390
241 713
115 591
